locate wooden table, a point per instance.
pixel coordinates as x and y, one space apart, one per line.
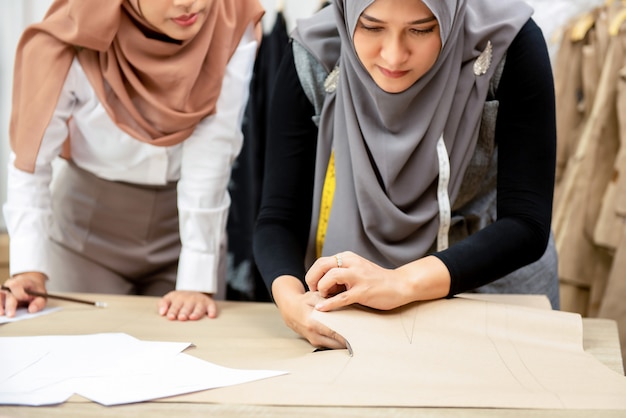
243 328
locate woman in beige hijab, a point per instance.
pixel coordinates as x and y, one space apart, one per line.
144 100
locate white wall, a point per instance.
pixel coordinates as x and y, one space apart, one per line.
16 14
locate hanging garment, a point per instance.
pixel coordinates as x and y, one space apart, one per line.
612 304
584 265
573 99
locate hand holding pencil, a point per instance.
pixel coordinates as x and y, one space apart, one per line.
59 297
32 281
29 288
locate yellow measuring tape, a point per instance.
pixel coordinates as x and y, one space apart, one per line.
328 191
443 199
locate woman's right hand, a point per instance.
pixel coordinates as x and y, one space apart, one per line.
296 306
18 285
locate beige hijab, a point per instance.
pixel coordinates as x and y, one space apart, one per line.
156 91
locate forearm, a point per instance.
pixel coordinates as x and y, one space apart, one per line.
424 279
277 253
526 141
282 228
206 165
284 287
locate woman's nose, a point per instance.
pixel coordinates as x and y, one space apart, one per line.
185 4
394 51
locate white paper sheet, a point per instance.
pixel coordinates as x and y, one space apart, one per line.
110 369
22 313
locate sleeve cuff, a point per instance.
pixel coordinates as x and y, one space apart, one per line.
197 272
28 255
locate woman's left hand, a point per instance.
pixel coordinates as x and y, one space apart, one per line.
183 305
348 278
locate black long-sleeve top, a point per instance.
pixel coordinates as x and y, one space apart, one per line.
526 140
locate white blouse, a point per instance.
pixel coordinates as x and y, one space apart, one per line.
201 165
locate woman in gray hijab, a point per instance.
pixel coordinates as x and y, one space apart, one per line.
410 156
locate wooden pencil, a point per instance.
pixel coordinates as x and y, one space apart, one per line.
60 297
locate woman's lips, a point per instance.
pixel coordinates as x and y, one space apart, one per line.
186 20
392 74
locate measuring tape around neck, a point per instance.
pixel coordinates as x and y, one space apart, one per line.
443 199
328 191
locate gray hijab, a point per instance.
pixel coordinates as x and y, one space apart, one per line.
385 202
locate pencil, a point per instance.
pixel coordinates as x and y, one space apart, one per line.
59 297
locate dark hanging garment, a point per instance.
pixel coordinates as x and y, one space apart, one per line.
243 280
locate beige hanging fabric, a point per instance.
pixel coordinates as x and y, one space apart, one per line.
612 304
573 98
590 202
